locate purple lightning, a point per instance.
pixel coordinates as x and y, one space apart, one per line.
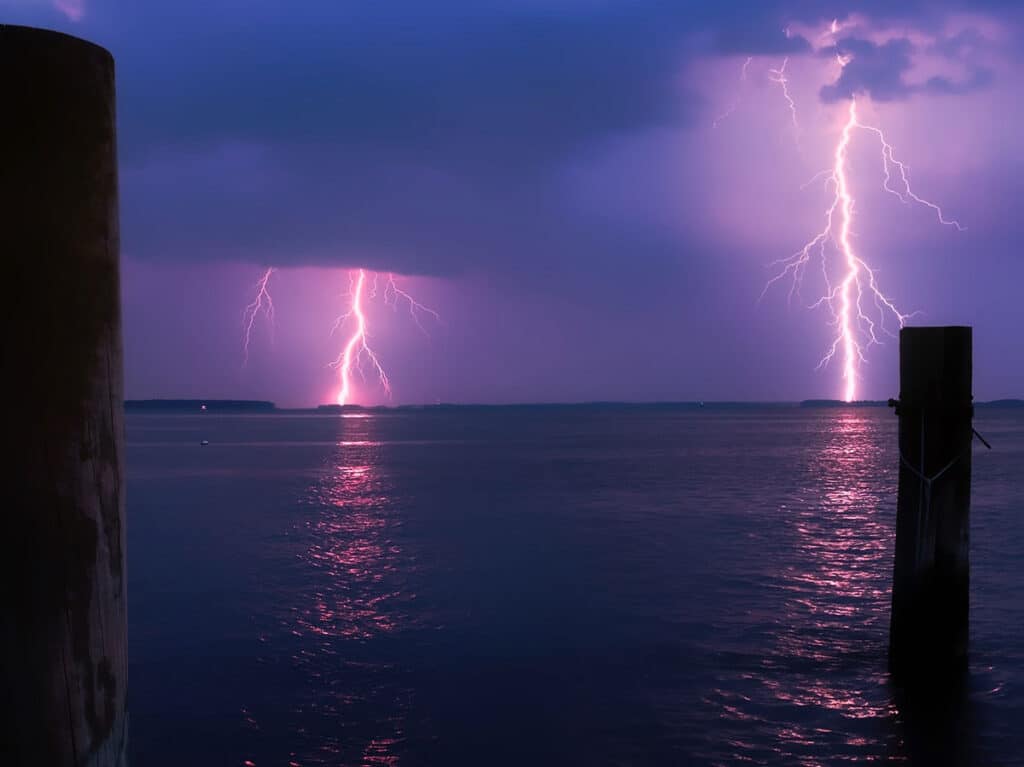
778 76
736 102
357 352
857 328
261 304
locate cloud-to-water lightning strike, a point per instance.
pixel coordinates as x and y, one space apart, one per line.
357 347
261 304
357 351
856 327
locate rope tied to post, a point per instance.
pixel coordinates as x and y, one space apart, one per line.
928 481
919 473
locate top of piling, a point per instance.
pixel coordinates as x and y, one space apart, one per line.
911 329
13 35
935 366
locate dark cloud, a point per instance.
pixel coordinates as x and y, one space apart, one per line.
879 70
424 138
960 46
434 138
747 40
419 136
980 78
426 142
461 80
511 90
316 205
873 69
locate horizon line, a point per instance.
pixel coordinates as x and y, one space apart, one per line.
270 404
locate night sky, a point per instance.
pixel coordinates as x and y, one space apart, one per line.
550 177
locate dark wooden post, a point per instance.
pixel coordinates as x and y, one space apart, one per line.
928 632
62 642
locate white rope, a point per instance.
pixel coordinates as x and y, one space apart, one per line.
920 473
924 506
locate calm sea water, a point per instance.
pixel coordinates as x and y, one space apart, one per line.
549 586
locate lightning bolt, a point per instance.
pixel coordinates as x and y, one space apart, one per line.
736 102
357 352
906 194
357 348
261 304
857 328
778 76
416 309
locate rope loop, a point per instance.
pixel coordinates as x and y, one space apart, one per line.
929 481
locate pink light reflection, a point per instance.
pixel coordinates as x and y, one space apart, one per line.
818 688
841 576
360 592
350 544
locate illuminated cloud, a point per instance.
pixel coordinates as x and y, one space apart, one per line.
881 70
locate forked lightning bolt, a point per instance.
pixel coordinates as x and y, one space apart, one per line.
778 76
357 352
261 304
394 295
857 327
357 348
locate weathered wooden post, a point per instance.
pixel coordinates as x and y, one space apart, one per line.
928 631
62 642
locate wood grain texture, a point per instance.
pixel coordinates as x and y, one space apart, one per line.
63 675
931 576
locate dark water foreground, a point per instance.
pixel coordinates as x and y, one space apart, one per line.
549 587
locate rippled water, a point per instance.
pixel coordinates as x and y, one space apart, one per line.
535 586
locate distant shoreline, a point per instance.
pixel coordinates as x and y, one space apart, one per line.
199 405
835 403
264 406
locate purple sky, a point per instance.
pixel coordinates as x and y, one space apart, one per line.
549 176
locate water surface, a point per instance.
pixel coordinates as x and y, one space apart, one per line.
549 586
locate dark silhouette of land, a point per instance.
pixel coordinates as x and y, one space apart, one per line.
264 406
199 405
836 403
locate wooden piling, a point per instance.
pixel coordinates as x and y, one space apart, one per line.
62 641
931 577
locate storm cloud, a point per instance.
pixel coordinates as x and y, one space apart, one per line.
880 71
419 137
557 152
